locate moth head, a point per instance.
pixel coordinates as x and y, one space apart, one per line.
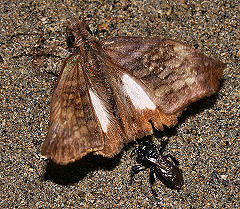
77 32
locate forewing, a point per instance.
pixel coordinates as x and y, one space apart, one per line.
73 130
175 73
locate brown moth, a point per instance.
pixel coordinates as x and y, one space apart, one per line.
110 93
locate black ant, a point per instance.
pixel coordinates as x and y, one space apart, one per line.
149 156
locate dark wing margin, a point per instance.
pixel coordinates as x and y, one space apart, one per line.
175 73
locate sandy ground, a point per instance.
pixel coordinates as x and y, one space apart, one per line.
205 141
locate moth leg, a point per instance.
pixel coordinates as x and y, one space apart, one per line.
54 51
152 181
40 50
135 169
174 160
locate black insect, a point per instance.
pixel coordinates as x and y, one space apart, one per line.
149 156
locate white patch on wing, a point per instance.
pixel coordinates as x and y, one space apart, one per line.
137 95
100 110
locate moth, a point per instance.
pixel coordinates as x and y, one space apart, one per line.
113 91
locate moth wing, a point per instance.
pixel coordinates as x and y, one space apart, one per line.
175 73
73 131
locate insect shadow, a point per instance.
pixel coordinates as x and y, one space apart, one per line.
74 172
199 106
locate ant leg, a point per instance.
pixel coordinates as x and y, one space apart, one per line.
152 178
152 181
175 161
134 151
163 145
135 169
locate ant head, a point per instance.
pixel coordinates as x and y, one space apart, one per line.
147 149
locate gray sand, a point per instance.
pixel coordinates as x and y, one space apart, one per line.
205 141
